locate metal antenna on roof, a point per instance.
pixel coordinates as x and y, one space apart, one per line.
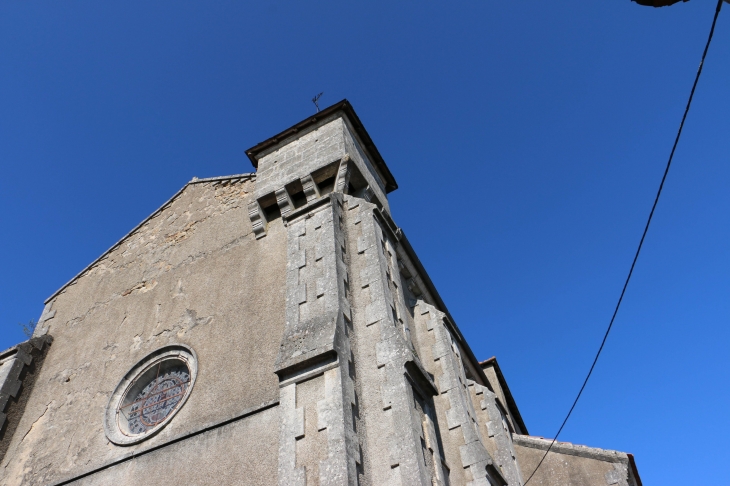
316 99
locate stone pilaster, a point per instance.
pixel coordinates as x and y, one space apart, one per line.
314 355
291 430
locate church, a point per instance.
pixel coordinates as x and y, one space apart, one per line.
274 327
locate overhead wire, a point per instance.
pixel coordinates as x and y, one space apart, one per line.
641 242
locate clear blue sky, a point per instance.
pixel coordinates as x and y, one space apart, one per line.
528 139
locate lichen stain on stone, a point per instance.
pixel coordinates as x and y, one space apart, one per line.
37 424
230 194
192 319
110 346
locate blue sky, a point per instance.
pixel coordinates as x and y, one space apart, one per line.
528 140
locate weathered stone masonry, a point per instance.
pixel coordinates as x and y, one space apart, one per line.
315 342
403 405
399 435
325 355
18 369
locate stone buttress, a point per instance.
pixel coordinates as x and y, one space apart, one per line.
315 349
490 416
458 417
396 391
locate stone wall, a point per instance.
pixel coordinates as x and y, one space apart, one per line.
573 465
226 455
192 274
19 368
314 356
324 354
324 144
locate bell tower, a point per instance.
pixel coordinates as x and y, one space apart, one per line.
328 152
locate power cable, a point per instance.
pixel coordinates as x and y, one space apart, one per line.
641 242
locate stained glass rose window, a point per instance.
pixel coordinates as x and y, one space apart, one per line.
150 395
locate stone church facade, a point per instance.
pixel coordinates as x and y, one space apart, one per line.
270 328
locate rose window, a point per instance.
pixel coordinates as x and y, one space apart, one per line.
150 395
161 395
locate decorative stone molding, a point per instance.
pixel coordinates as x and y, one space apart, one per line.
258 219
343 175
311 191
284 201
570 449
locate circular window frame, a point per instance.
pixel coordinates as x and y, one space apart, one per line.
112 428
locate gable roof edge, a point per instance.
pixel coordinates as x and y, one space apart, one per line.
195 180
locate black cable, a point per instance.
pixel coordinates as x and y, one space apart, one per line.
641 242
